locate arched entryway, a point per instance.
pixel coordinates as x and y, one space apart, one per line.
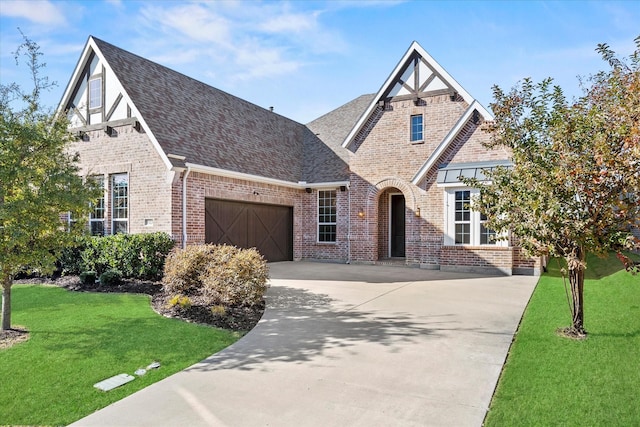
391 224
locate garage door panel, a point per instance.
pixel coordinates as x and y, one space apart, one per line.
269 228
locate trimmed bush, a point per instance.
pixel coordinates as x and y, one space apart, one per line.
110 278
88 277
238 277
140 256
183 269
217 274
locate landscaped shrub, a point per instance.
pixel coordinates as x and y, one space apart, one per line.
183 269
180 300
237 277
110 278
70 260
219 310
88 277
140 256
217 275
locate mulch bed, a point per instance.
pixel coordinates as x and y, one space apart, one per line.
241 318
13 336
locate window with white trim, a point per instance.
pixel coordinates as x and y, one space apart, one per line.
98 209
327 216
119 203
95 93
416 128
462 217
464 226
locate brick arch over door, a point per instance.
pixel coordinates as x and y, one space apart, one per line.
373 204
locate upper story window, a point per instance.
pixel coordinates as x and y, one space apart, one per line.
327 216
97 215
416 128
95 93
120 203
464 226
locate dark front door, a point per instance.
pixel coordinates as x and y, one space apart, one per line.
268 228
397 225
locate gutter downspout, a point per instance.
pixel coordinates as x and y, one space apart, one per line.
184 207
349 227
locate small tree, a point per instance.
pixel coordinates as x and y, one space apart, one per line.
574 186
39 181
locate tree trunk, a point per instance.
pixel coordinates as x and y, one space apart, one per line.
576 268
6 304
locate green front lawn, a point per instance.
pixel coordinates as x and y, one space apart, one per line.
78 339
553 381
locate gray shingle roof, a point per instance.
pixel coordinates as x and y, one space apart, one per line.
330 158
206 125
212 128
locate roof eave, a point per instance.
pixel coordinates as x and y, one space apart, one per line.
300 185
448 139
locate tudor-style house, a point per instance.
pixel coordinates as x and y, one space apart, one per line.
374 181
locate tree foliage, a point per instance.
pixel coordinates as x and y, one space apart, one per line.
574 186
39 181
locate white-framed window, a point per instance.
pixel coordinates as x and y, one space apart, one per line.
95 93
416 128
327 215
98 212
119 203
462 217
463 225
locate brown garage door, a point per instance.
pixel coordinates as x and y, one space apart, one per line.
268 228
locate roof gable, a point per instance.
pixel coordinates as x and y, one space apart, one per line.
197 123
416 75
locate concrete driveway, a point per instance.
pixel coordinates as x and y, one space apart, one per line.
346 345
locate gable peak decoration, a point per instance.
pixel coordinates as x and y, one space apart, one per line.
417 75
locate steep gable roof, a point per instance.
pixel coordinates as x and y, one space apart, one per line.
416 73
205 125
332 128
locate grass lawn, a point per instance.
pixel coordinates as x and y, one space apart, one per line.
554 381
78 339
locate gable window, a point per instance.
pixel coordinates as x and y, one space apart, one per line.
416 128
464 226
95 93
97 215
120 203
327 215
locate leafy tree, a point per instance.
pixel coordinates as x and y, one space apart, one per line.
39 181
574 186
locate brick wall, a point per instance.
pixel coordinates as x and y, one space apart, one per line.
385 160
477 259
149 179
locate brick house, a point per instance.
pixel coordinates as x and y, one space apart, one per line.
374 181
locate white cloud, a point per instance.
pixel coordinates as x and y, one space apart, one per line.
237 41
262 63
38 11
196 22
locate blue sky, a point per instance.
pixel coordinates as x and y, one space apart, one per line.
306 58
